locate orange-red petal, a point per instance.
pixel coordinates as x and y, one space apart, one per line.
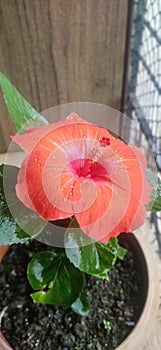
34 135
52 180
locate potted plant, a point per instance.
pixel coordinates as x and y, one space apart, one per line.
78 188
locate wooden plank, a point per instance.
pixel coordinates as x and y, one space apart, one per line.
59 51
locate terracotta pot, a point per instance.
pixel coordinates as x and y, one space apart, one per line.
149 293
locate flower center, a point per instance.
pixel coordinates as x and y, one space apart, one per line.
88 169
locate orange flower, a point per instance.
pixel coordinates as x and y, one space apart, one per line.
77 168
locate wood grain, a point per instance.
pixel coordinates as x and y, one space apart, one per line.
59 51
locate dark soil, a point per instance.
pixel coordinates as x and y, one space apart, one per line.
114 305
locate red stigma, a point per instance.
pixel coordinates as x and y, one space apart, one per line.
105 141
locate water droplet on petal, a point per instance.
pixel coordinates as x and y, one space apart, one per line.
36 159
70 117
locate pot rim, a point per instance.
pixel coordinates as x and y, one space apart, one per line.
137 337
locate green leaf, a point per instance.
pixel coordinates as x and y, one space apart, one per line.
121 252
10 231
82 304
21 112
107 325
155 204
57 280
115 248
155 182
96 258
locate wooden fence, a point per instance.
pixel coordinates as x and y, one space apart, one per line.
59 51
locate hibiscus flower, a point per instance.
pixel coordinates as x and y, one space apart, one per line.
76 168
